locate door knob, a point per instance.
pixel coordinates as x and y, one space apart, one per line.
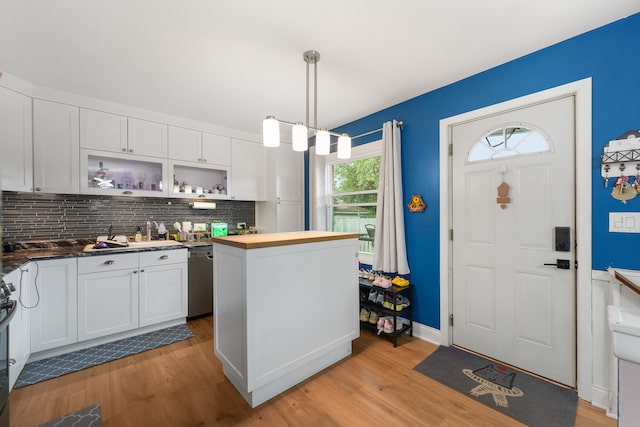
563 264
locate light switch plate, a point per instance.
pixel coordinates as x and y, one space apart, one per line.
624 222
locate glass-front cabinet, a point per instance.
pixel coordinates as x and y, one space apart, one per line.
122 174
197 180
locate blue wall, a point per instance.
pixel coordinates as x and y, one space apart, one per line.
610 55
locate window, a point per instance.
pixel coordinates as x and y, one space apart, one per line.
509 141
352 194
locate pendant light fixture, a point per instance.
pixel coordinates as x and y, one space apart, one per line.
300 132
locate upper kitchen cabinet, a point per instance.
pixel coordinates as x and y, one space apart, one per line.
122 174
248 170
16 162
147 138
194 146
196 180
103 131
119 134
56 147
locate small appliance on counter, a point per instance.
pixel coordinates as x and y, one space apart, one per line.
219 229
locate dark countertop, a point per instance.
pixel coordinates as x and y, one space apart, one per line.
33 251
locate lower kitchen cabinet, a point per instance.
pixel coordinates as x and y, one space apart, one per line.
107 303
163 286
54 321
19 345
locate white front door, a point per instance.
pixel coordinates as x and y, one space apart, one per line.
507 304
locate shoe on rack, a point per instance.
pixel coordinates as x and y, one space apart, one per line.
388 325
373 317
364 314
400 281
382 282
388 303
380 298
373 294
401 322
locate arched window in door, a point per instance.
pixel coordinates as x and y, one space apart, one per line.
509 141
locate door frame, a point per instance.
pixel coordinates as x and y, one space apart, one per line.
581 90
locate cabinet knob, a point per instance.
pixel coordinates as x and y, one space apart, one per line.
135 271
127 192
38 189
124 150
142 271
204 160
109 262
202 195
164 257
131 150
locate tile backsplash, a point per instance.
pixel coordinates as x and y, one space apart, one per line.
35 216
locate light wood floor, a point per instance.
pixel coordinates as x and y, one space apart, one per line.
182 385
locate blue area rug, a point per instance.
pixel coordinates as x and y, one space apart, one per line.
528 399
87 417
52 367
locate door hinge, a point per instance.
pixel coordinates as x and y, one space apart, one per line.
451 234
451 149
451 319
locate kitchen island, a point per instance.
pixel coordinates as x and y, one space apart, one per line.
285 307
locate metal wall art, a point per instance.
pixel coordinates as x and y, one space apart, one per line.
416 204
619 155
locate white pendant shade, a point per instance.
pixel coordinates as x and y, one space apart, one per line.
323 141
299 137
271 132
344 147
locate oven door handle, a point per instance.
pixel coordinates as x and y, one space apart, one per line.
10 306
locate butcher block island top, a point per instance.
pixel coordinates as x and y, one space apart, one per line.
255 241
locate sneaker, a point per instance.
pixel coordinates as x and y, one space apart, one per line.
373 318
380 298
387 302
364 315
388 325
382 282
373 295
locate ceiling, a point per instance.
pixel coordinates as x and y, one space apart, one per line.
233 62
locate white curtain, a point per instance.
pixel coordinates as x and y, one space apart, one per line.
390 251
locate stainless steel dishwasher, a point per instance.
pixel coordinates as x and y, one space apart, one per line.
200 280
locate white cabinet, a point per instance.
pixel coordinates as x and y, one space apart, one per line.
163 286
103 131
248 170
194 146
54 317
19 340
127 174
56 148
16 142
197 180
216 149
283 209
147 138
107 295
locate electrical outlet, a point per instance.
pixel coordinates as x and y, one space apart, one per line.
242 225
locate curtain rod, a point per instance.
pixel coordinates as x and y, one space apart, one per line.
400 123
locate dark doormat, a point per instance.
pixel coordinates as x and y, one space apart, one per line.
523 397
45 369
87 417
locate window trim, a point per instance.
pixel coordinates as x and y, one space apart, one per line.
359 152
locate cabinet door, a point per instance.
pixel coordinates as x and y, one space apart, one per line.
19 340
103 131
56 149
107 303
54 317
185 144
289 174
163 293
248 170
216 149
147 138
289 216
16 143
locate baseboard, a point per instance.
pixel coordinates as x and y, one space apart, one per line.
601 398
427 333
